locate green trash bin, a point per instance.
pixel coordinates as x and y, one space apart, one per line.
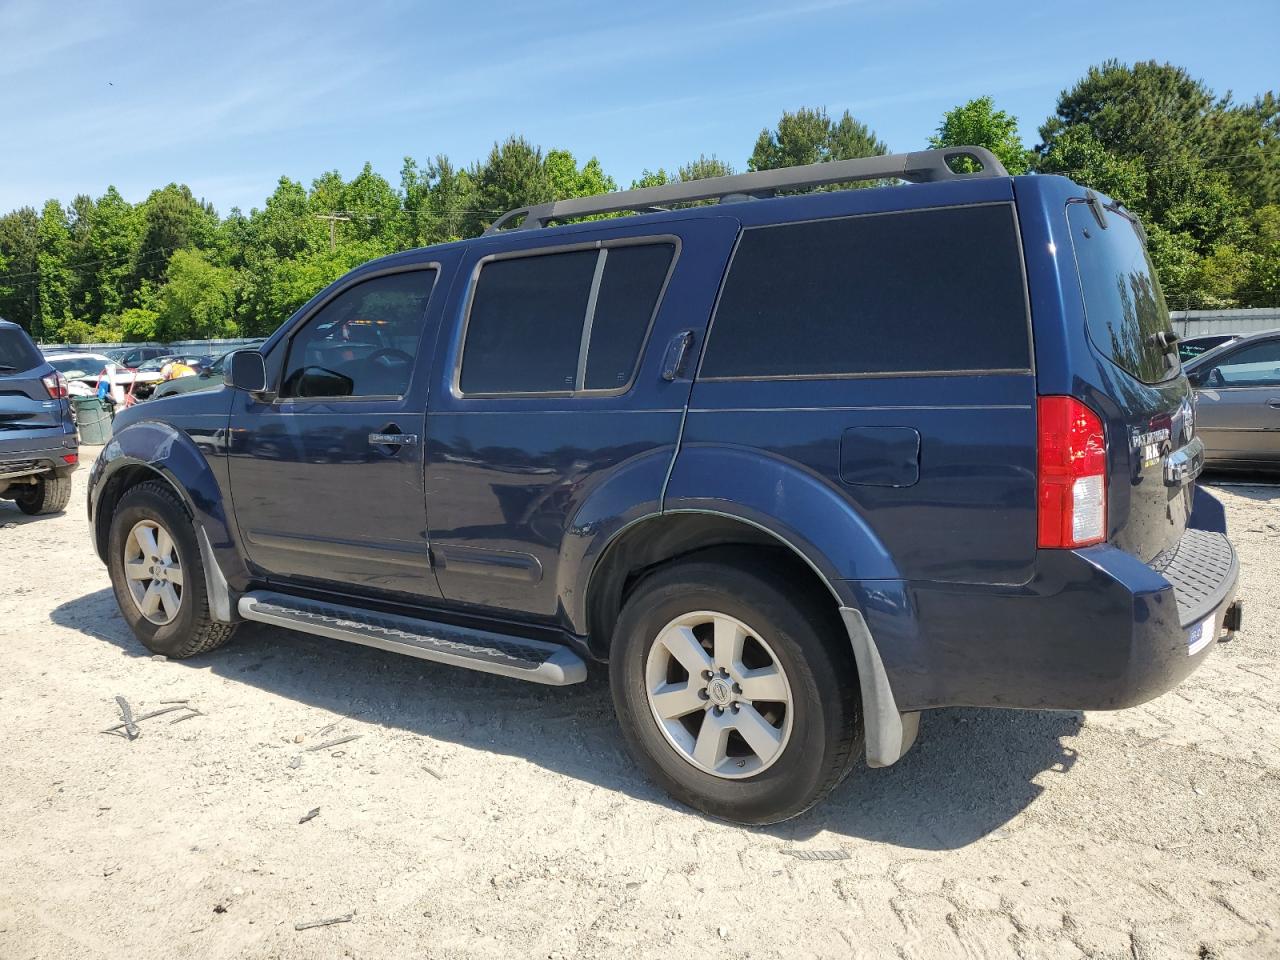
93 419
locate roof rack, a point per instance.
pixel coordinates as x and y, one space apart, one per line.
922 166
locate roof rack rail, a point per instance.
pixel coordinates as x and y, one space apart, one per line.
922 166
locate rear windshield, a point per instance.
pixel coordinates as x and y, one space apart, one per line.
17 352
1123 305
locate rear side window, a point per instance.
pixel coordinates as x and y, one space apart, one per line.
562 322
1124 308
916 292
17 352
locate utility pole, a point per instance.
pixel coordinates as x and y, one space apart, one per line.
333 219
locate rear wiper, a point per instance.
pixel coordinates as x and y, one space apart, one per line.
7 366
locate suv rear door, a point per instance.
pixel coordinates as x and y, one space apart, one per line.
551 388
879 340
1142 396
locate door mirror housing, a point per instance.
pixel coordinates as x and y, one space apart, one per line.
246 370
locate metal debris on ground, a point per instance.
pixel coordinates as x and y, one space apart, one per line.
131 722
433 771
345 918
310 815
817 854
130 728
334 743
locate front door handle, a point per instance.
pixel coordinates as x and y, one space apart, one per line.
392 439
1274 402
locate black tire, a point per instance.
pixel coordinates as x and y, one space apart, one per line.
808 642
49 494
193 631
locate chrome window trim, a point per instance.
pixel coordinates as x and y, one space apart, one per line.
603 246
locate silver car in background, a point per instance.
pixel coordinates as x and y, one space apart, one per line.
1238 402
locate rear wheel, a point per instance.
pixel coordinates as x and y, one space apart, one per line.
49 494
734 691
157 574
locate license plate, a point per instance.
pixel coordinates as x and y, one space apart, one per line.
1200 636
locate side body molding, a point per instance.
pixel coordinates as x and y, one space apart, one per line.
185 463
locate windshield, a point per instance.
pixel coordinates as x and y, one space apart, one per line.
1124 308
17 352
88 364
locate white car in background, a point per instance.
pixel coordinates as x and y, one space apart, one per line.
84 370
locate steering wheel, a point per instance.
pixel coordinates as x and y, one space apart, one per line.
389 353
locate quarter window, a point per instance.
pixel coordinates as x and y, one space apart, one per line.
363 342
562 322
916 292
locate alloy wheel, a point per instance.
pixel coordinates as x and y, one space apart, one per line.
719 694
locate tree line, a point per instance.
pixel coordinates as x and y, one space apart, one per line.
1202 170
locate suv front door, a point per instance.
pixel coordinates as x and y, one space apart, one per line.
552 388
326 474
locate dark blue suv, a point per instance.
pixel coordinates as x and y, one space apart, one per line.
798 467
38 446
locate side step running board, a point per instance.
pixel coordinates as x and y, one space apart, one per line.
508 656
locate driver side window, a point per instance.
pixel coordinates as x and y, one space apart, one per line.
363 342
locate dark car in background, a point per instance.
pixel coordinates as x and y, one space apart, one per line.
1192 347
1237 389
38 445
208 377
134 357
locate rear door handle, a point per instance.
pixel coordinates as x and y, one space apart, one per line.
677 352
1274 402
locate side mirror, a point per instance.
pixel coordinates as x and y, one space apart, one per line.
245 370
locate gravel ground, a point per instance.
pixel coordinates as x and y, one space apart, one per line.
475 816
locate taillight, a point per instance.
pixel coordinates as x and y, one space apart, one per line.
56 384
1072 458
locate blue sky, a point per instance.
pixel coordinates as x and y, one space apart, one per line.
227 97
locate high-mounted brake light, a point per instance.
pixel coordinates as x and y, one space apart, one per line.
1072 488
56 384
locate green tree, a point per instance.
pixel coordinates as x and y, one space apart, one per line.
810 136
19 283
1152 136
197 300
55 281
514 175
704 168
172 219
979 124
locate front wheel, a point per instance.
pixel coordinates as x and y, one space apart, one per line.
157 573
735 690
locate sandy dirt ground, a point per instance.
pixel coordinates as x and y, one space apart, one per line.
476 816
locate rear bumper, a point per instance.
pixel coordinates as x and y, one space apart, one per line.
1096 629
21 461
